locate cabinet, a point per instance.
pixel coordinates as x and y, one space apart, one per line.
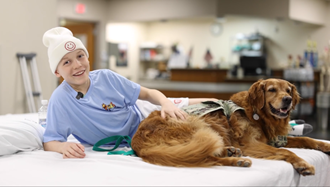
252 45
153 61
199 75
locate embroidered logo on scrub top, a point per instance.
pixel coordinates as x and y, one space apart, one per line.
109 106
70 46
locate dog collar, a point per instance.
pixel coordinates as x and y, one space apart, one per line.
255 115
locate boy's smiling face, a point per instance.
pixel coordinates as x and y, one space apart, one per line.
74 68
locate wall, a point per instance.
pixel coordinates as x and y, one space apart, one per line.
191 28
260 8
23 24
132 17
284 37
133 34
96 12
151 10
308 11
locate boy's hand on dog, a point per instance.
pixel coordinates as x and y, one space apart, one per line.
173 111
73 150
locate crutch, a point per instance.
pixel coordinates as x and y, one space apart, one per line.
23 59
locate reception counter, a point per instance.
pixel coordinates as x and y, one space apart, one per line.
212 83
193 83
195 89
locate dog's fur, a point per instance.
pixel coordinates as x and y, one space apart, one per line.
214 140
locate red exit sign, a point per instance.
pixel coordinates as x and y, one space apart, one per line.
80 8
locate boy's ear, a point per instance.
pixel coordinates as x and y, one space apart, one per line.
57 74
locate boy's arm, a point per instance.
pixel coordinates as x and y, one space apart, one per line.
198 100
68 149
158 98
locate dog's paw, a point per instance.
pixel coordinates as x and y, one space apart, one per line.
324 147
304 168
243 162
233 152
237 133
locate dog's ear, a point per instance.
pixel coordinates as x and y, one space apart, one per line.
295 95
257 94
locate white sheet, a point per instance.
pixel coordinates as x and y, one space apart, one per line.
48 168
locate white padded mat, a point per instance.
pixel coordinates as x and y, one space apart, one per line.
40 168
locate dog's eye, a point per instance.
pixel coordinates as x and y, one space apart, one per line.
288 91
272 90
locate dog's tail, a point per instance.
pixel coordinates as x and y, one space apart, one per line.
200 150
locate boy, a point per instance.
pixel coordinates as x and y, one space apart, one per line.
94 105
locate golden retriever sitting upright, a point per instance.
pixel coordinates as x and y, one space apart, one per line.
220 137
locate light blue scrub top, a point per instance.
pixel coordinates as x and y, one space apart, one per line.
107 109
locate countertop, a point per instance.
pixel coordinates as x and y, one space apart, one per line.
194 86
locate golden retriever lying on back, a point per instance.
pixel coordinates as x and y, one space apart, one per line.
217 139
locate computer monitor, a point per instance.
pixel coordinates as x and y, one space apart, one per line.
253 65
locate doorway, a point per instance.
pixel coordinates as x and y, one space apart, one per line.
85 32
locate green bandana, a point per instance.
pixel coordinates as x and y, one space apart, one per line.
279 141
206 107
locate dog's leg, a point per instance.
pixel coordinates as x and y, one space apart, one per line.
231 151
220 124
233 161
308 143
261 150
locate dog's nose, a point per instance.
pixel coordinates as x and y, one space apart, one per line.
287 100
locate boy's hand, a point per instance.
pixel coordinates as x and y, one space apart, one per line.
173 111
73 150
